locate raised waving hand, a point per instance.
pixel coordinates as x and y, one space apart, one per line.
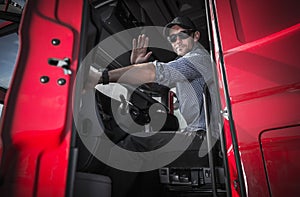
139 50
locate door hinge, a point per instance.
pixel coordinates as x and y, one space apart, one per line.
225 114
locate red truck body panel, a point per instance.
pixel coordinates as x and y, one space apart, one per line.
37 145
258 50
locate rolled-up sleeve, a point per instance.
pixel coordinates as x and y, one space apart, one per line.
179 70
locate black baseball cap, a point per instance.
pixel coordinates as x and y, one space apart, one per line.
182 21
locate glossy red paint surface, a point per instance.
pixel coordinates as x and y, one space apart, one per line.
259 42
281 147
38 118
235 190
262 70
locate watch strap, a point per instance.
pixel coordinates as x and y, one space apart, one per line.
105 77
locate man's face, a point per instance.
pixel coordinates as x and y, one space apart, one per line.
181 46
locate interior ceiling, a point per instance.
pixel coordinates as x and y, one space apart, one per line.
117 15
160 12
157 12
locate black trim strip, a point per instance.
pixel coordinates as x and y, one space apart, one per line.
73 157
228 104
209 145
222 136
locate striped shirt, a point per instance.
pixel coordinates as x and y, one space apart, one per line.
189 75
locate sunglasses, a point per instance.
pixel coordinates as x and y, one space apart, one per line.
182 35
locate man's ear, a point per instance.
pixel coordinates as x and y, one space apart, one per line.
196 36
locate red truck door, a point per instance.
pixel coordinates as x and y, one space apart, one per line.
257 49
37 118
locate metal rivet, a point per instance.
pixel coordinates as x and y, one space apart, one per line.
55 41
61 81
44 79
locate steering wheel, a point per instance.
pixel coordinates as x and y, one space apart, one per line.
140 102
142 108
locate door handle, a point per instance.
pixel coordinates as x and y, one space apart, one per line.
62 63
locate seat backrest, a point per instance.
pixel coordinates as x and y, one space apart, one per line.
91 185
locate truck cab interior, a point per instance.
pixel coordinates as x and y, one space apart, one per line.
56 139
190 174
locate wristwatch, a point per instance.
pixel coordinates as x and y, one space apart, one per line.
105 77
